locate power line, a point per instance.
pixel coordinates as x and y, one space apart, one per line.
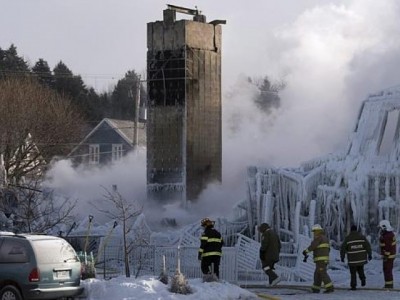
68 75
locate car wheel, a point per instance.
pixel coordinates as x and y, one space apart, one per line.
10 292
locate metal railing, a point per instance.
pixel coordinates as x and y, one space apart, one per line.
239 264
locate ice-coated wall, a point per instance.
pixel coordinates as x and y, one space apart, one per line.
359 185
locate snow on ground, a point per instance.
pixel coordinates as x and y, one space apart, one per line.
289 294
341 280
150 288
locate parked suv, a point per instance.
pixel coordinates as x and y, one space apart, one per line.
37 267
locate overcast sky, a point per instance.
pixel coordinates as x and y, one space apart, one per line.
101 39
331 54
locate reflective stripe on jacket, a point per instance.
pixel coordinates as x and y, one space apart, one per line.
320 247
387 242
357 248
210 243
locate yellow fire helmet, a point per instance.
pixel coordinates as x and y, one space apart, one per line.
316 227
206 222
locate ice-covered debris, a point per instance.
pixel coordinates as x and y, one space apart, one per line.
359 184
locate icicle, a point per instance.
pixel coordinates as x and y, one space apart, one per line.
258 197
312 211
286 191
387 187
376 183
178 268
269 208
354 209
397 200
296 228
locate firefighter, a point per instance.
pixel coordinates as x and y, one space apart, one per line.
387 241
358 251
210 250
269 252
320 248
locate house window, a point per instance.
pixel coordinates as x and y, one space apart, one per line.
116 152
94 154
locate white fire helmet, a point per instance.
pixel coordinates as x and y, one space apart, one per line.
316 227
385 225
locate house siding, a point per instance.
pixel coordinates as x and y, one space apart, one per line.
106 135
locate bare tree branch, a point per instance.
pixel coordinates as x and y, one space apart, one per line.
125 212
36 124
35 211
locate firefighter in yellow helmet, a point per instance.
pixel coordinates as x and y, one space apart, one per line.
320 248
210 250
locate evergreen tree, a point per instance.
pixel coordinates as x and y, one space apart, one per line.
72 86
268 98
105 104
120 104
96 106
67 83
42 71
11 64
123 97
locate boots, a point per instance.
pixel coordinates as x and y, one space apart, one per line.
273 278
275 281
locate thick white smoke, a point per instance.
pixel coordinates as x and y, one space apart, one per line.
330 56
90 185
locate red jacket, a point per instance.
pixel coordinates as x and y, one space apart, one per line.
388 244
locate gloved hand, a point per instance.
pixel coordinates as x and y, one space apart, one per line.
199 256
384 257
369 257
342 259
305 253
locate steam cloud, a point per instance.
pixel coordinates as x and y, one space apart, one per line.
331 58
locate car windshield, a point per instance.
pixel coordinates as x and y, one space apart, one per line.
53 251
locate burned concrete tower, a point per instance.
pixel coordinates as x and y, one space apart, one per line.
184 138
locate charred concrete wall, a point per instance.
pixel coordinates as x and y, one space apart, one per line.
184 137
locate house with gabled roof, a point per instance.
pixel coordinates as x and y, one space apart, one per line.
109 141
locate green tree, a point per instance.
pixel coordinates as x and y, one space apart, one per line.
268 98
119 104
66 83
95 106
11 64
42 71
105 105
72 86
123 97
